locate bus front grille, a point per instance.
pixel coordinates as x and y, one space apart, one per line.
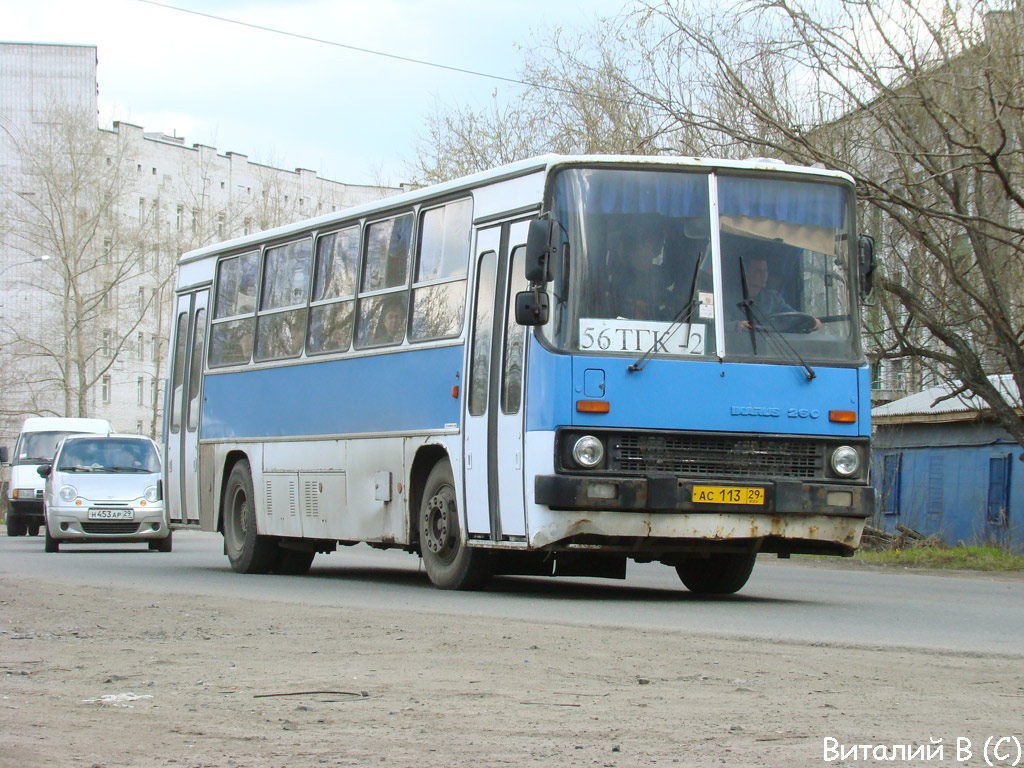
715 456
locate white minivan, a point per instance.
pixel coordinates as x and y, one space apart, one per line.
40 436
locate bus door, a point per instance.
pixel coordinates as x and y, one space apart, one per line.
186 378
493 432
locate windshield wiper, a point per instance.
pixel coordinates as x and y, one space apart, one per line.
775 335
127 469
677 320
75 468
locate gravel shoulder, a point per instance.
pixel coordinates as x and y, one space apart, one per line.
90 677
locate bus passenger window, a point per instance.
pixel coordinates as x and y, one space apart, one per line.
382 320
387 253
438 307
281 329
334 284
231 333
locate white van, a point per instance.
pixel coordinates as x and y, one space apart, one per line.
37 444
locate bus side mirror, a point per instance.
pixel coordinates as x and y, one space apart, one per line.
5 457
866 264
539 251
532 307
160 489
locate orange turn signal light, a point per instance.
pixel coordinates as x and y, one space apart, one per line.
843 417
455 391
593 406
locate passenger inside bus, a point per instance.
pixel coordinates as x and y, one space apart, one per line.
760 301
390 328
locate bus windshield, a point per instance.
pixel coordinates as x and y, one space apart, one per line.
637 272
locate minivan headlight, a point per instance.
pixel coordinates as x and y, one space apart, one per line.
845 461
588 452
150 494
68 493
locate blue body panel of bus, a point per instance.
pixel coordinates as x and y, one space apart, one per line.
699 395
411 391
405 391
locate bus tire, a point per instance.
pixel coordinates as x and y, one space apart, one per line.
449 563
720 574
247 550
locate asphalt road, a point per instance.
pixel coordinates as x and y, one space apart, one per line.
785 600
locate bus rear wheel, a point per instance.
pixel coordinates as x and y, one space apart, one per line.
247 550
449 563
721 574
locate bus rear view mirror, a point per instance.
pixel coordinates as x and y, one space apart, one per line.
539 251
5 457
866 259
532 307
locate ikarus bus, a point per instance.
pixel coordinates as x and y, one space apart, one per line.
553 367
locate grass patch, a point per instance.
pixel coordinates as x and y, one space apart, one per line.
963 558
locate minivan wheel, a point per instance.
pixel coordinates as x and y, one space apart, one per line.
50 544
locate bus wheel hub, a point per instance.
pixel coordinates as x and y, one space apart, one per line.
439 510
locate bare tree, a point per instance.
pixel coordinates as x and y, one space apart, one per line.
70 200
922 103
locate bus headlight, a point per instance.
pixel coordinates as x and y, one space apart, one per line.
67 493
845 461
588 452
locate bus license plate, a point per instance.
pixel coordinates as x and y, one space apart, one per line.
111 514
722 494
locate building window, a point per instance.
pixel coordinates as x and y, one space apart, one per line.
142 209
105 344
220 226
178 217
140 390
108 246
138 427
105 389
156 347
142 345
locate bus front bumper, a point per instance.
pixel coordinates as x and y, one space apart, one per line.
671 494
660 515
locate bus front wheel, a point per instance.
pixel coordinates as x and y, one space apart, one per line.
721 574
247 550
449 563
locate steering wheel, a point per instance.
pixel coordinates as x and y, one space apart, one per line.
793 322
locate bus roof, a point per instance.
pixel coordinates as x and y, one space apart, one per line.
494 175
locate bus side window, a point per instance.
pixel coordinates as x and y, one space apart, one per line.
334 287
515 338
479 363
281 327
386 266
178 372
439 290
231 335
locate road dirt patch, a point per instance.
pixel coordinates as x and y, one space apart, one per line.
91 677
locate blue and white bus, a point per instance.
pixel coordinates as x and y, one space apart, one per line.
548 368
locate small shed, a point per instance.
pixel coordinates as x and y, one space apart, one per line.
945 468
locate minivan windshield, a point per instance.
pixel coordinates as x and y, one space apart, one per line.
38 447
109 454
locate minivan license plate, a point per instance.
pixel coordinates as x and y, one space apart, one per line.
111 514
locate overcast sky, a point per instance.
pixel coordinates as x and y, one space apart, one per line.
349 116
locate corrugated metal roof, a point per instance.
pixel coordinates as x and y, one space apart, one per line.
923 403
